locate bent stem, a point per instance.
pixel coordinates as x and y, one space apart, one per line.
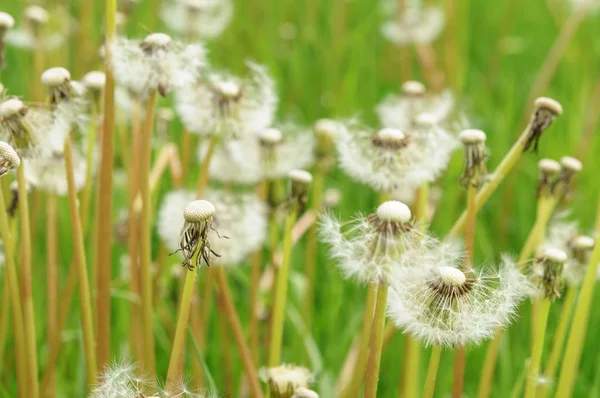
432 370
375 350
537 350
15 301
238 333
281 287
577 332
26 285
146 235
83 283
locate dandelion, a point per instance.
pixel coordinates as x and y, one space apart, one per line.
6 23
546 111
412 25
94 82
122 380
242 218
48 173
194 244
402 111
476 154
285 380
24 128
155 63
569 168
391 159
226 105
548 170
9 160
197 19
37 33
303 392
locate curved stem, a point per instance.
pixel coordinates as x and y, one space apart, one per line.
432 370
375 350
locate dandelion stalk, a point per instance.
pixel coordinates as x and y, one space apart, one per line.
543 308
83 283
578 328
104 198
375 350
52 279
238 333
15 300
203 179
4 318
432 370
26 285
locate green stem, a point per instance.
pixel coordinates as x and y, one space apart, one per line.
489 365
538 348
4 319
26 285
432 370
577 333
204 169
375 351
146 234
85 304
15 300
281 292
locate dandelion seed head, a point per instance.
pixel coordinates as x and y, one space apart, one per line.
326 128
303 392
413 88
300 177
284 380
583 242
202 19
6 22
413 25
548 272
270 137
549 167
548 104
9 160
122 380
198 211
12 107
445 306
555 255
156 40
571 164
94 80
394 211
55 77
36 15
48 174
472 136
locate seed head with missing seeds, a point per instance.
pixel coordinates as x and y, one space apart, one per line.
548 273
548 170
474 172
198 217
545 112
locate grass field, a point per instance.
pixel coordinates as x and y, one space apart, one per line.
329 59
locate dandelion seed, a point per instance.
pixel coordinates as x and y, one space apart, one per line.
546 111
284 380
474 172
197 19
392 159
122 380
441 305
155 63
547 273
9 160
412 25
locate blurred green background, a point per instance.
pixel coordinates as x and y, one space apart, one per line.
330 60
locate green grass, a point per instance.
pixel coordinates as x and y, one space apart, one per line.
339 65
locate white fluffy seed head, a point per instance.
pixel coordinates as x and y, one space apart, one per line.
6 21
326 128
229 88
549 104
394 211
583 242
426 119
94 80
55 77
286 379
571 164
11 107
37 15
472 136
303 392
157 39
300 177
390 136
451 276
549 166
413 88
198 211
8 158
555 255
270 136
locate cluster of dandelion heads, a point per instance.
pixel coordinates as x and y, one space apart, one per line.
269 154
401 111
239 223
391 159
197 19
547 273
368 248
40 30
155 63
227 105
285 380
9 160
413 24
440 304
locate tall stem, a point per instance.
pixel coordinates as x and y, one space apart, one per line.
375 350
104 206
146 234
203 179
281 287
4 319
577 332
432 370
238 333
538 348
52 284
15 301
85 304
26 285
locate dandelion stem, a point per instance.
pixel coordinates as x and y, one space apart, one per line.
26 285
104 198
432 370
15 301
372 377
281 287
146 235
203 179
537 350
238 333
559 339
83 283
4 318
182 320
577 332
52 282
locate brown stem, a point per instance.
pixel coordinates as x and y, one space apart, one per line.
52 286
